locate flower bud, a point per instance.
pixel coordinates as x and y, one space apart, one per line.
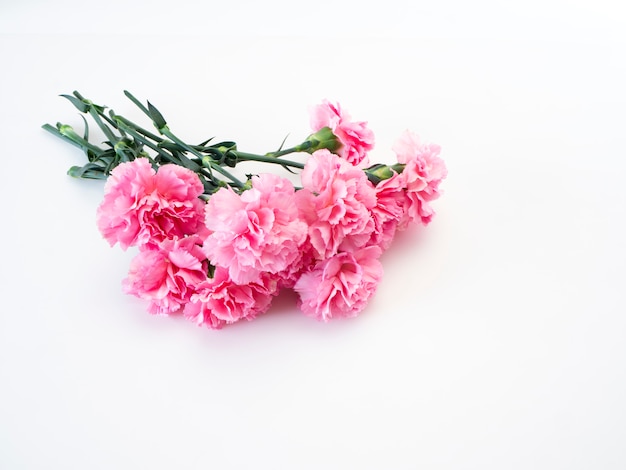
322 139
380 172
398 167
68 131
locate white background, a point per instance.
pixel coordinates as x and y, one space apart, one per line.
496 339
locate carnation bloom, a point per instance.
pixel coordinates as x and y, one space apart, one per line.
341 285
167 275
144 207
355 137
255 232
221 301
335 201
423 172
388 211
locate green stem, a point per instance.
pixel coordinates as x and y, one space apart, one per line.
139 129
74 140
145 141
132 125
209 165
202 159
303 147
110 121
167 133
138 103
107 131
244 156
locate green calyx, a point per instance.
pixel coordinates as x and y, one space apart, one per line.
322 139
380 172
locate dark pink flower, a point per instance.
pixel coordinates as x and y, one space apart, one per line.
220 301
167 275
355 137
335 201
144 207
340 286
255 232
423 172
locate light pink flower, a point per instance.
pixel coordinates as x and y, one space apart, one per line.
288 277
356 138
144 207
257 231
422 174
335 201
388 211
167 275
221 301
341 285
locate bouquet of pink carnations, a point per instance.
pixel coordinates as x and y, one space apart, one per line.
218 249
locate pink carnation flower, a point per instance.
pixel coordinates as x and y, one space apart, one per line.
335 201
167 275
288 277
255 232
144 207
388 211
341 285
422 174
356 138
221 301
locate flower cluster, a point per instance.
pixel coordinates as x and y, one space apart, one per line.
219 250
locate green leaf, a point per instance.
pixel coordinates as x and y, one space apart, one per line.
289 169
203 144
105 129
86 133
111 120
156 116
138 103
282 144
225 146
80 104
187 163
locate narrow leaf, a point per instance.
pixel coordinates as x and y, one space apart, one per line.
156 116
86 133
203 144
80 105
282 143
138 103
289 169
